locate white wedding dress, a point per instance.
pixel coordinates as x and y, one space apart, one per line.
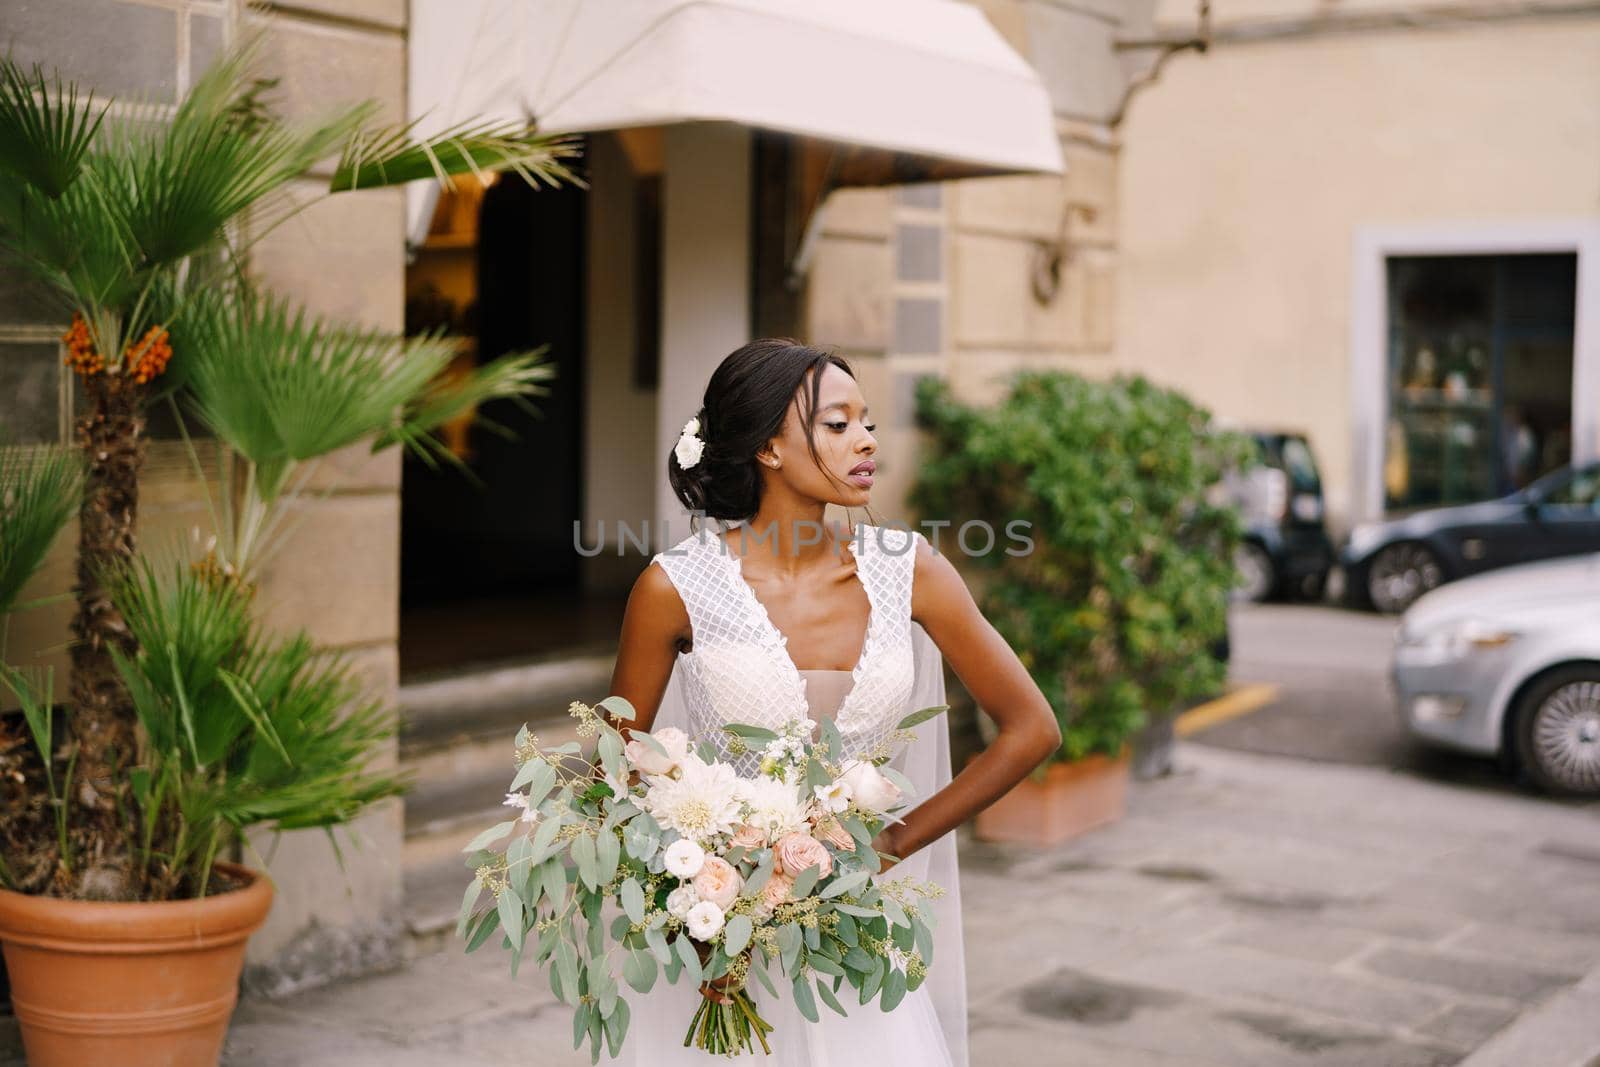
738 669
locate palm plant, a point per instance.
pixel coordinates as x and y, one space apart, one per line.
239 728
39 491
132 215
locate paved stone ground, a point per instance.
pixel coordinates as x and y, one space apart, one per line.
1250 910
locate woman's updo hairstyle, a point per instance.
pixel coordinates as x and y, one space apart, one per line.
745 403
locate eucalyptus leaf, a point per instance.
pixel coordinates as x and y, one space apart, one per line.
822 964
760 971
804 882
736 935
658 944
486 926
618 708
510 907
580 1024
803 998
610 748
567 965
874 980
846 884
916 718
749 732
758 877
833 739
632 896
923 939
828 997
690 957
608 853
491 835
474 891
639 970
583 854
544 839
894 988
789 944
617 1027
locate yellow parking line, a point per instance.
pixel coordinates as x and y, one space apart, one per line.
1252 696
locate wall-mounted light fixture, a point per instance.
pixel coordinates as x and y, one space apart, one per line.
1050 256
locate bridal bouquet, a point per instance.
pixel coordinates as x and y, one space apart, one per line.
653 857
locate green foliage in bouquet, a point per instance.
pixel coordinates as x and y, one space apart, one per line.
1124 593
652 858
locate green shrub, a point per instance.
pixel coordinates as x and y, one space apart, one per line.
1117 607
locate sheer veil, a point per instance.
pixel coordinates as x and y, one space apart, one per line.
926 764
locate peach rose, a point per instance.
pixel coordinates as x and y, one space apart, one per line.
718 882
748 836
830 832
797 852
776 891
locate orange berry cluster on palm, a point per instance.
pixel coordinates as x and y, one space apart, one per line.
149 357
146 357
81 354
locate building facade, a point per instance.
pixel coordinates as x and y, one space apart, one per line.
1376 222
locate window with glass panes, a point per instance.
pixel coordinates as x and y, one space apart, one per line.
1480 375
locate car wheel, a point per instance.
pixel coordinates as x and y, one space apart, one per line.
1399 574
1257 576
1314 586
1558 731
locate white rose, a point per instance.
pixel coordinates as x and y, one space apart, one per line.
684 858
647 760
688 450
681 901
674 740
872 790
704 921
835 796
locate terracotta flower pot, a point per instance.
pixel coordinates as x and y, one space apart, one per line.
1073 798
136 985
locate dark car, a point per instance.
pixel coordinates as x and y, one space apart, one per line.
1286 550
1390 564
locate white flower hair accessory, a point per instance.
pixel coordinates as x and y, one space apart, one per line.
690 445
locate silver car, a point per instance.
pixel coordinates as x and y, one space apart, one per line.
1508 663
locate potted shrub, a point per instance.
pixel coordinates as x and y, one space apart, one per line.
183 723
1116 608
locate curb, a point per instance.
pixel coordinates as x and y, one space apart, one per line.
1247 698
1562 1032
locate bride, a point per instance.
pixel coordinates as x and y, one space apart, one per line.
717 629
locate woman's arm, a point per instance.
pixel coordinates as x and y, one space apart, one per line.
1000 684
654 624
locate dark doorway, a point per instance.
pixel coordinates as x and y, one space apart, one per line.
472 541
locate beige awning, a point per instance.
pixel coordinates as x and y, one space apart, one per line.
911 90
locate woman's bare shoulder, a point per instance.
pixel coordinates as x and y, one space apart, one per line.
655 607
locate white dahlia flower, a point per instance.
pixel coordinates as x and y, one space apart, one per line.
702 802
774 806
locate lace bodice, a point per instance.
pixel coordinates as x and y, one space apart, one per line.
739 668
